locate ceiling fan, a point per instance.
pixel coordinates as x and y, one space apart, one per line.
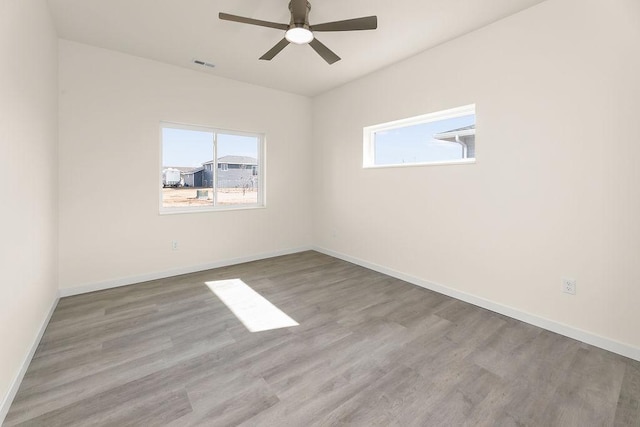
299 31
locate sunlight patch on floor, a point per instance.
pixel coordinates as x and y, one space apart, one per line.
252 309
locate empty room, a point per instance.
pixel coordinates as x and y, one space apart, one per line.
320 213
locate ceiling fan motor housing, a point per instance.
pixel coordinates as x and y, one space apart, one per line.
299 13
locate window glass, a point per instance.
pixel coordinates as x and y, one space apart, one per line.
185 180
442 137
236 184
209 169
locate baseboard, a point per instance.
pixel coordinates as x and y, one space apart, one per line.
15 385
550 325
125 281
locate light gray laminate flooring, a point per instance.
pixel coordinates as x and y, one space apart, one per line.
369 350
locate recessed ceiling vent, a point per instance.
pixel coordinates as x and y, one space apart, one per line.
203 64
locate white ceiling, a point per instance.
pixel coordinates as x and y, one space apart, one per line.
178 31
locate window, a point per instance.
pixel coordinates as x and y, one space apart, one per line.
206 169
444 137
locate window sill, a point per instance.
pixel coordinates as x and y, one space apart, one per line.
406 165
187 210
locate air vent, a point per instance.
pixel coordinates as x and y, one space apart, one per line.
202 63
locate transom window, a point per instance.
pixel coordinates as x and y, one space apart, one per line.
207 169
443 137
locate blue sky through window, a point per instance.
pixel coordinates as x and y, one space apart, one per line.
415 144
236 145
191 148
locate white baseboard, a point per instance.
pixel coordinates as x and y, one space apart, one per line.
125 281
15 385
551 325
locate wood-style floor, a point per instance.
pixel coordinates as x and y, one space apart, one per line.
370 350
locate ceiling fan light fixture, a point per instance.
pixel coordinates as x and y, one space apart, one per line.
298 31
298 35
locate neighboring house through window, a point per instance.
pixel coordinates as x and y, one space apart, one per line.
215 169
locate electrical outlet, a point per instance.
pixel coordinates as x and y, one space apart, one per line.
174 245
569 286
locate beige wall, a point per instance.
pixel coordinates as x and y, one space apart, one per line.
554 192
111 106
28 194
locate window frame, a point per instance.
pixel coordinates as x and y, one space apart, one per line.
368 132
261 138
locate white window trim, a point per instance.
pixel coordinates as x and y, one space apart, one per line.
262 161
368 146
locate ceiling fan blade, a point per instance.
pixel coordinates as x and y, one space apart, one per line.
275 50
365 23
242 19
326 53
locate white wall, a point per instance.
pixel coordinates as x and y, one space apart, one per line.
111 106
555 190
28 194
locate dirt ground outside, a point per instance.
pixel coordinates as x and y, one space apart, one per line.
188 196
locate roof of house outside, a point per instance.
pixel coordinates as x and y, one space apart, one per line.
460 129
182 169
235 160
463 131
192 170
